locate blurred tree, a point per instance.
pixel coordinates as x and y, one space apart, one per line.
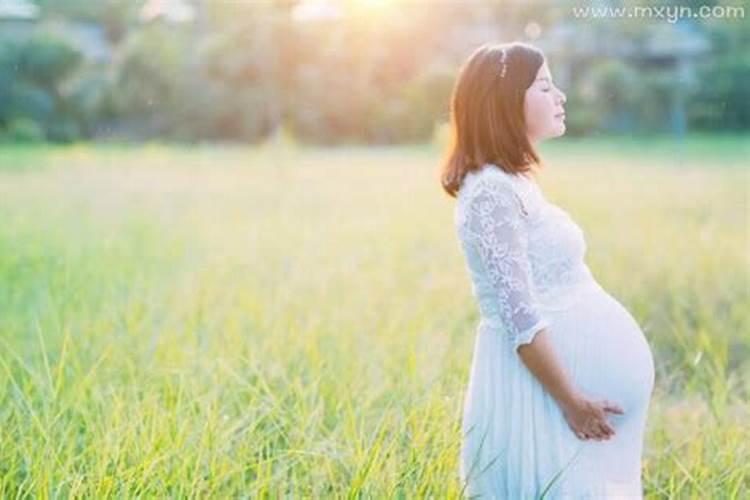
420 104
150 78
655 99
116 16
364 72
231 91
34 70
722 100
23 130
613 87
48 59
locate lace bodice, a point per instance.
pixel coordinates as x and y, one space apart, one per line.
524 254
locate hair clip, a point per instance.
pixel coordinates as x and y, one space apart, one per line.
504 67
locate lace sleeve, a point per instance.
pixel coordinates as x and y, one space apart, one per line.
494 220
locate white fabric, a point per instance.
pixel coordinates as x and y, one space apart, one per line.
525 258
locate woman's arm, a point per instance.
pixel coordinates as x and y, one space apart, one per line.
495 226
586 418
541 360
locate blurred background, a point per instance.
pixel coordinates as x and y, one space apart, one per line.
228 270
351 71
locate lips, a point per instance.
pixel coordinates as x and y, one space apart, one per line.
560 116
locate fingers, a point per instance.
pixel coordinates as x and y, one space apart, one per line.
596 436
606 430
600 432
613 408
596 425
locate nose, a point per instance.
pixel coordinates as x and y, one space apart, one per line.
562 96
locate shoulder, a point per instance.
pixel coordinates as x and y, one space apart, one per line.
490 181
488 191
489 177
491 186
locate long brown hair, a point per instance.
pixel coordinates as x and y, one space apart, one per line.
487 113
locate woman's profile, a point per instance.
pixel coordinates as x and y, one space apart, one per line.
562 375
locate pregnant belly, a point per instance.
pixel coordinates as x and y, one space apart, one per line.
604 350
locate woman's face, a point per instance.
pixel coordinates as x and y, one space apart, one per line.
543 108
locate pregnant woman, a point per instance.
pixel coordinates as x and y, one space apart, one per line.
562 375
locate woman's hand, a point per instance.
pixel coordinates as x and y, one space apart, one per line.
588 419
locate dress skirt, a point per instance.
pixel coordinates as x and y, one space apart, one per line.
516 443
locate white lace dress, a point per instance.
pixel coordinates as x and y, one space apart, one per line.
525 257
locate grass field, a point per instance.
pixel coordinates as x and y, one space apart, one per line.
255 322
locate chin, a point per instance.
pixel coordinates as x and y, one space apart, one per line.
559 130
556 130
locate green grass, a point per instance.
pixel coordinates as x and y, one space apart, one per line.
215 322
